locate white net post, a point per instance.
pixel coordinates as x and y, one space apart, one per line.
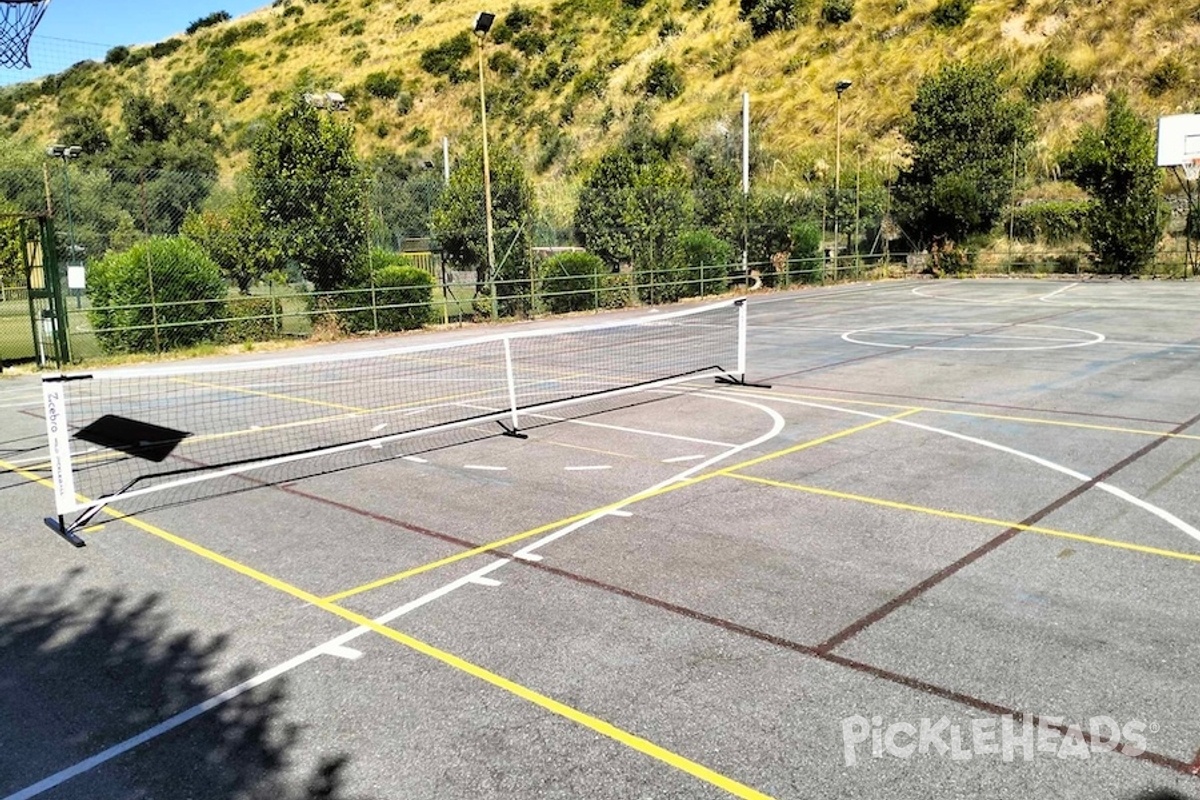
741 340
59 440
512 382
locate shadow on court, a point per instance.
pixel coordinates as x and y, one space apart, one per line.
82 670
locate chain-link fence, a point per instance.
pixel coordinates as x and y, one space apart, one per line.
154 261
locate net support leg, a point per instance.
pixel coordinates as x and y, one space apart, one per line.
740 380
59 526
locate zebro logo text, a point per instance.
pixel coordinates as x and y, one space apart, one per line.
990 736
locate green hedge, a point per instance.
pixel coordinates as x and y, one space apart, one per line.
251 319
400 298
1050 221
570 281
164 284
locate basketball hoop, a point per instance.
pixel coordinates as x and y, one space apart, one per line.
1191 168
18 18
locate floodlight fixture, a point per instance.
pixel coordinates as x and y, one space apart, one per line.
483 23
842 86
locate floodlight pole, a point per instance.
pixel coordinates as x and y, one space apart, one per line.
67 153
483 24
839 87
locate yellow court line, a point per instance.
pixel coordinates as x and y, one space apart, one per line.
285 397
999 417
937 512
631 740
636 498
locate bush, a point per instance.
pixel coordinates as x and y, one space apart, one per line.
806 260
1051 221
951 13
570 281
700 264
382 85
837 12
215 18
116 55
164 49
664 79
188 295
1054 80
445 58
768 16
250 319
402 297
1166 75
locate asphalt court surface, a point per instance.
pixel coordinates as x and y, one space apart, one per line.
965 504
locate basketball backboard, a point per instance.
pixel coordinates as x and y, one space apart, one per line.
1178 139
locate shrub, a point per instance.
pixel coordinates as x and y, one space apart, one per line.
116 55
1054 80
503 63
805 261
250 319
531 42
664 79
951 13
570 281
1166 75
1051 221
768 16
215 18
188 295
402 297
669 27
164 49
445 58
700 264
837 12
382 85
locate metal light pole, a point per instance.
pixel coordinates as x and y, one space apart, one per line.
483 24
840 87
67 153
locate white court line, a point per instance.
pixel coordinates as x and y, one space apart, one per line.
415 459
606 426
485 467
171 723
1046 297
678 459
1161 513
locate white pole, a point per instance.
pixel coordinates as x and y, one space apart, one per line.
512 383
745 184
446 159
741 345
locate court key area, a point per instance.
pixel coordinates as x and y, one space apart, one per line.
910 539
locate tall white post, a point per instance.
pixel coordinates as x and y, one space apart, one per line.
746 184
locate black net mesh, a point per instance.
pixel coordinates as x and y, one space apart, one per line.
17 21
133 431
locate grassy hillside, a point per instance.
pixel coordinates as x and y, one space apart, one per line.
565 77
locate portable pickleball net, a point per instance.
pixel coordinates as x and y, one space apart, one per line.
124 433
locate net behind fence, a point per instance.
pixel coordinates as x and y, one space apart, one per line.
126 433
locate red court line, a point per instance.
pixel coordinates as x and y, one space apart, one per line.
864 622
915 684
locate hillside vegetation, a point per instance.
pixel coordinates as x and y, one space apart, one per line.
566 78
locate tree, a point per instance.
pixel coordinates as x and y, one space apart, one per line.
309 188
962 132
1117 166
635 203
459 222
235 238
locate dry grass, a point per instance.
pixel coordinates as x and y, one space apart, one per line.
885 49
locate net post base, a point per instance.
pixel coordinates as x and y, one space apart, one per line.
59 526
729 380
513 432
